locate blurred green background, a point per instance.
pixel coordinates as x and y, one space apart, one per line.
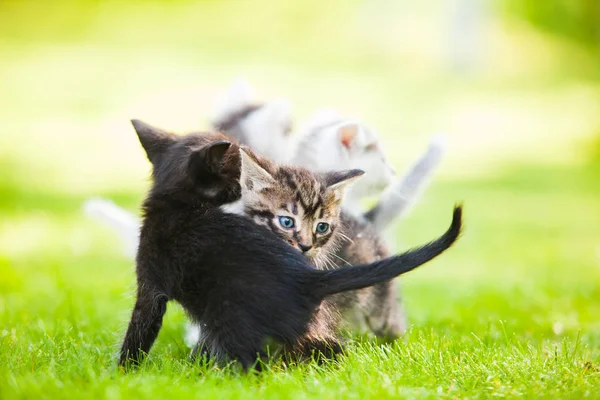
515 85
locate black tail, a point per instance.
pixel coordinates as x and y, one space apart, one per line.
360 276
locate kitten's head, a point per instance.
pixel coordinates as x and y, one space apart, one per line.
346 144
198 167
301 207
264 127
269 126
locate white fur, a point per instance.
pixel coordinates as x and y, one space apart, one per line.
236 207
322 117
266 130
321 150
238 96
192 334
124 222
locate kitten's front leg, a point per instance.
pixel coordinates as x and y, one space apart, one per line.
146 321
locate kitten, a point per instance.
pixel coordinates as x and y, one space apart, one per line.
285 199
238 280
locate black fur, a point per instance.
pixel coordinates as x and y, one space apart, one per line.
238 280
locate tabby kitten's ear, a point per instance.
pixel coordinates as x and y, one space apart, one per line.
209 159
154 140
253 177
337 182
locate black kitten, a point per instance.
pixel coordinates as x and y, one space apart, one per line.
238 280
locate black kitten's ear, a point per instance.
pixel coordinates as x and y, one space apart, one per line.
337 182
154 140
209 158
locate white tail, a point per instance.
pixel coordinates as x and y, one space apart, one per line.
124 222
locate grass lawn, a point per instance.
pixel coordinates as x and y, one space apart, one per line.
512 310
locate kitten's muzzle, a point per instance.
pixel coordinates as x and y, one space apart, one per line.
304 248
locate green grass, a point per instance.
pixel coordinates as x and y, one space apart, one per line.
511 311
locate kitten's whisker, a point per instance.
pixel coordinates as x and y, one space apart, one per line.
322 261
329 262
339 258
318 262
345 237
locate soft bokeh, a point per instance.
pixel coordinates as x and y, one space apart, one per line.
514 85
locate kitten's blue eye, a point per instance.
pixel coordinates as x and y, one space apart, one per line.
287 222
322 227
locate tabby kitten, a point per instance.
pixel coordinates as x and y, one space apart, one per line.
289 201
294 205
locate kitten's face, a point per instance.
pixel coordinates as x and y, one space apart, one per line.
344 144
300 207
363 150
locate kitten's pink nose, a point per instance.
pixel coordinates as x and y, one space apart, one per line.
304 248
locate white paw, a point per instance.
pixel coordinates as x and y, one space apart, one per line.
192 335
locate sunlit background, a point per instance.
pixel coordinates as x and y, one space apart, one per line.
514 85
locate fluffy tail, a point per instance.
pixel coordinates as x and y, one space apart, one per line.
350 278
404 192
125 223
